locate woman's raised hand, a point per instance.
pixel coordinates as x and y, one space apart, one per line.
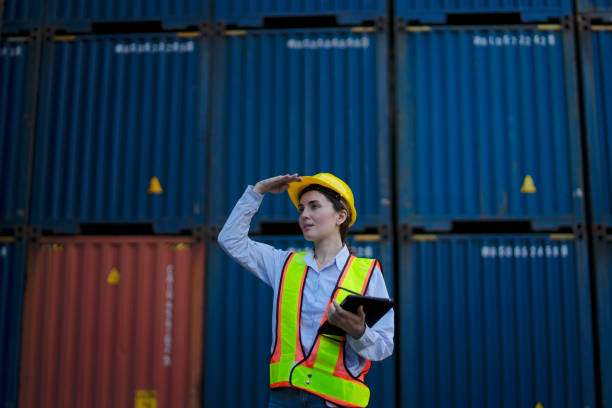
276 184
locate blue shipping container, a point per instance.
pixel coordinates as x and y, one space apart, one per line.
488 127
80 14
596 56
603 281
17 71
300 101
12 281
121 132
21 15
495 321
237 302
599 9
252 13
437 11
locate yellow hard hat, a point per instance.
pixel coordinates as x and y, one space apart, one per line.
326 180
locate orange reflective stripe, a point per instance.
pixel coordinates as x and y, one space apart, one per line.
280 384
340 370
309 362
365 370
366 282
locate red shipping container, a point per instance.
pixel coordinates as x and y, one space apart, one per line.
113 322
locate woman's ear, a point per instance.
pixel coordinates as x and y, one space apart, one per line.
343 214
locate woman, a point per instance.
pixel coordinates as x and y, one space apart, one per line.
308 369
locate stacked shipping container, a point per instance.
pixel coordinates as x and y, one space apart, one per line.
603 280
488 127
305 101
596 62
436 11
500 320
79 15
110 321
121 134
144 163
599 9
21 15
12 278
596 59
488 130
17 90
253 13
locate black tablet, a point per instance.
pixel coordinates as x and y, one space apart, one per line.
373 307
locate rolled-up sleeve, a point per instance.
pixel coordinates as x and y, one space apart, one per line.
262 260
376 343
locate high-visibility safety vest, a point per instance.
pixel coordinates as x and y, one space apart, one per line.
322 371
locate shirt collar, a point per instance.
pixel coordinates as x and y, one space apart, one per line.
340 258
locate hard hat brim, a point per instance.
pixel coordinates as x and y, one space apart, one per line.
297 186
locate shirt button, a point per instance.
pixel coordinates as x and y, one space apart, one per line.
309 375
307 381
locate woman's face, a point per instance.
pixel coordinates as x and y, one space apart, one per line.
318 217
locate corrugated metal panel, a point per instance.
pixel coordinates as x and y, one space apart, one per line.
495 321
252 13
115 112
596 8
21 15
16 70
80 14
603 279
108 317
238 302
437 11
12 277
482 112
596 55
304 101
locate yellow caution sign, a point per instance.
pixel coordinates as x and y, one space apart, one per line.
113 277
539 405
146 399
181 246
155 186
528 185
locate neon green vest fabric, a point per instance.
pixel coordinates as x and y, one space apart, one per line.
322 372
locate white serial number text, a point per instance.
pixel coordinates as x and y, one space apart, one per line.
533 251
162 47
328 43
511 40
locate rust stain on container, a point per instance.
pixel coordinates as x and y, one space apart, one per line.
88 343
